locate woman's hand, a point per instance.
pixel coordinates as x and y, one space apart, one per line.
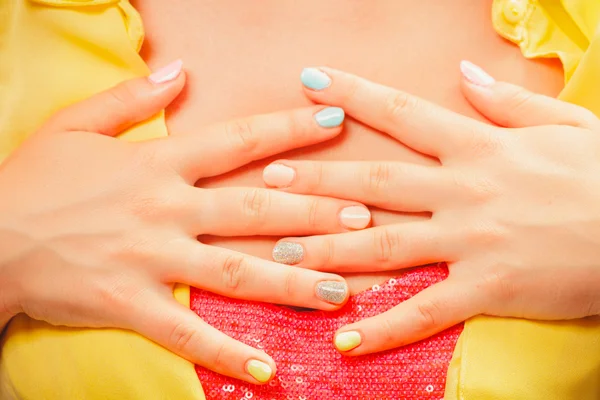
94 231
515 207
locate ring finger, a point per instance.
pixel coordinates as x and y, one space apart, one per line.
240 276
237 211
385 184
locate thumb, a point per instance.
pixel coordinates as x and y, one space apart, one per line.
116 109
512 106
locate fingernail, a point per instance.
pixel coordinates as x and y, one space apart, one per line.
259 370
355 217
347 340
288 253
475 74
278 175
333 292
315 79
166 73
330 117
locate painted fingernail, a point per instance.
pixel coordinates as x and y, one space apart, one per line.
315 79
259 370
278 175
475 74
330 117
166 73
289 253
355 217
347 340
333 292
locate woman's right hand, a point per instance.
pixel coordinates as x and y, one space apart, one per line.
94 231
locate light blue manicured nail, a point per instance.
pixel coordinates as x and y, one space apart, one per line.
315 79
330 117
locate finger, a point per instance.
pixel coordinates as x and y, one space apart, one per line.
381 248
515 107
387 185
227 146
425 127
259 211
118 108
425 314
181 331
240 276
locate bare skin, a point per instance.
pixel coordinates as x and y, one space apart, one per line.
244 59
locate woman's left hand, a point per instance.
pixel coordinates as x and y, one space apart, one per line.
515 207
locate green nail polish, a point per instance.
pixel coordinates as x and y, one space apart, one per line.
315 79
330 117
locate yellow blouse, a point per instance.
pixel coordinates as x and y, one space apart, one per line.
496 358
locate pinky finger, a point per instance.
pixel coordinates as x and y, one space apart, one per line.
427 313
181 331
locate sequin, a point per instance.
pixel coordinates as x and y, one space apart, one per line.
301 345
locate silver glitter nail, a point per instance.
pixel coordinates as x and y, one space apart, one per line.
332 291
288 253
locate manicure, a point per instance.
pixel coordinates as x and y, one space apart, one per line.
355 217
476 75
347 340
330 117
333 292
259 370
315 79
288 253
167 73
278 175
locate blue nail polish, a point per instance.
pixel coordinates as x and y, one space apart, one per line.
330 117
315 79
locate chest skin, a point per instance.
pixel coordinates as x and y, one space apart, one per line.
245 57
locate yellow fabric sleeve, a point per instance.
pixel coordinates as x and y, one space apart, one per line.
54 53
502 358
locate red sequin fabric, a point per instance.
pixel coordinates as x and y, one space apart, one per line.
309 368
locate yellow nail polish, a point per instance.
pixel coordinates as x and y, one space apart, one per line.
347 341
259 370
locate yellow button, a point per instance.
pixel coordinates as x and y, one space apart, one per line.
514 10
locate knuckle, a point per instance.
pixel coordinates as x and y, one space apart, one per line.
295 126
317 177
378 178
313 213
485 143
182 337
398 104
387 244
353 84
486 234
328 251
388 331
234 270
122 97
498 285
520 100
477 188
242 136
290 285
256 204
219 362
429 316
119 291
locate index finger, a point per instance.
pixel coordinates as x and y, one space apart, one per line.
424 126
226 146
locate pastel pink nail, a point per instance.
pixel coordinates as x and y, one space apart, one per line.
355 217
167 73
475 74
278 175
